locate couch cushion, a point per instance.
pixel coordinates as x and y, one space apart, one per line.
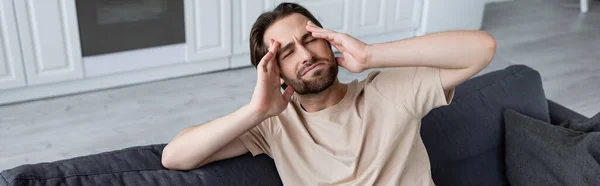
142 166
539 153
465 140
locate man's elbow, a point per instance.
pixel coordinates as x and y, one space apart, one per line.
174 165
489 46
169 162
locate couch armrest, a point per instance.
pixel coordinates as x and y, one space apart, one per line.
559 113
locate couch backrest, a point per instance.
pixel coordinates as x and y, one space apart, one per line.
141 166
465 140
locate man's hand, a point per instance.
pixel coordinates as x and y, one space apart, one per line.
219 139
355 52
267 98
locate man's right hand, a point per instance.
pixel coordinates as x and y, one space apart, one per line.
267 98
199 145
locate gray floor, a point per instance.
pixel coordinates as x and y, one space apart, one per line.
550 36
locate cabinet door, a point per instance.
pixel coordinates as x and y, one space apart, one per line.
11 63
207 29
333 14
369 17
245 13
50 40
403 14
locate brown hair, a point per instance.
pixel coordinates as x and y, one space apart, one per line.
265 20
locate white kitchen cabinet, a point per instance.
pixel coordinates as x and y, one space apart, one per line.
207 29
368 17
333 14
403 14
11 65
244 14
374 17
380 21
50 43
452 15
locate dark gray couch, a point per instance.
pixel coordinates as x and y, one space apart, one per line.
465 142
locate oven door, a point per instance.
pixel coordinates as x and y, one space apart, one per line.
108 26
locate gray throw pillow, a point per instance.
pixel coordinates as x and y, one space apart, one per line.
539 153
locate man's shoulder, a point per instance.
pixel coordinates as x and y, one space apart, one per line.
391 83
385 74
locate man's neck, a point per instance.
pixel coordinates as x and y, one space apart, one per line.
331 96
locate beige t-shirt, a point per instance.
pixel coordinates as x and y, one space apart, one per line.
371 137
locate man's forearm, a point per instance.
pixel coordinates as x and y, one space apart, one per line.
192 146
447 50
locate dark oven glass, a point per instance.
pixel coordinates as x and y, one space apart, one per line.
107 26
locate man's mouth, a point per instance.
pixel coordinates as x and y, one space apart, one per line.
312 67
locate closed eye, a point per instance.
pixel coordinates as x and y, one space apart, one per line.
308 39
287 54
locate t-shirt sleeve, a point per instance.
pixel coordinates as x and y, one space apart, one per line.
257 139
418 89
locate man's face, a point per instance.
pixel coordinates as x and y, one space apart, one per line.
306 63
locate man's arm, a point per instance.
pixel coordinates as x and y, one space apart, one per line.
199 145
217 140
458 54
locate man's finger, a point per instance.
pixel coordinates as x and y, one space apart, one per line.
287 94
310 23
277 69
331 37
340 61
264 61
275 46
314 28
327 36
271 66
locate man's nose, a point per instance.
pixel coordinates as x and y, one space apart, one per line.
307 55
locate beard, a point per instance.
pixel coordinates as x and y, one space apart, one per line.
318 81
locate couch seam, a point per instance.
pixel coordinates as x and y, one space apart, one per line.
3 178
86 174
112 152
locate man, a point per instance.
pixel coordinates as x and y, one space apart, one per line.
320 131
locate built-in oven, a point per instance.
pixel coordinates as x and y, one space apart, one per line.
108 26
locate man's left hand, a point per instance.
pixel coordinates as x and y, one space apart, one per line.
355 52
